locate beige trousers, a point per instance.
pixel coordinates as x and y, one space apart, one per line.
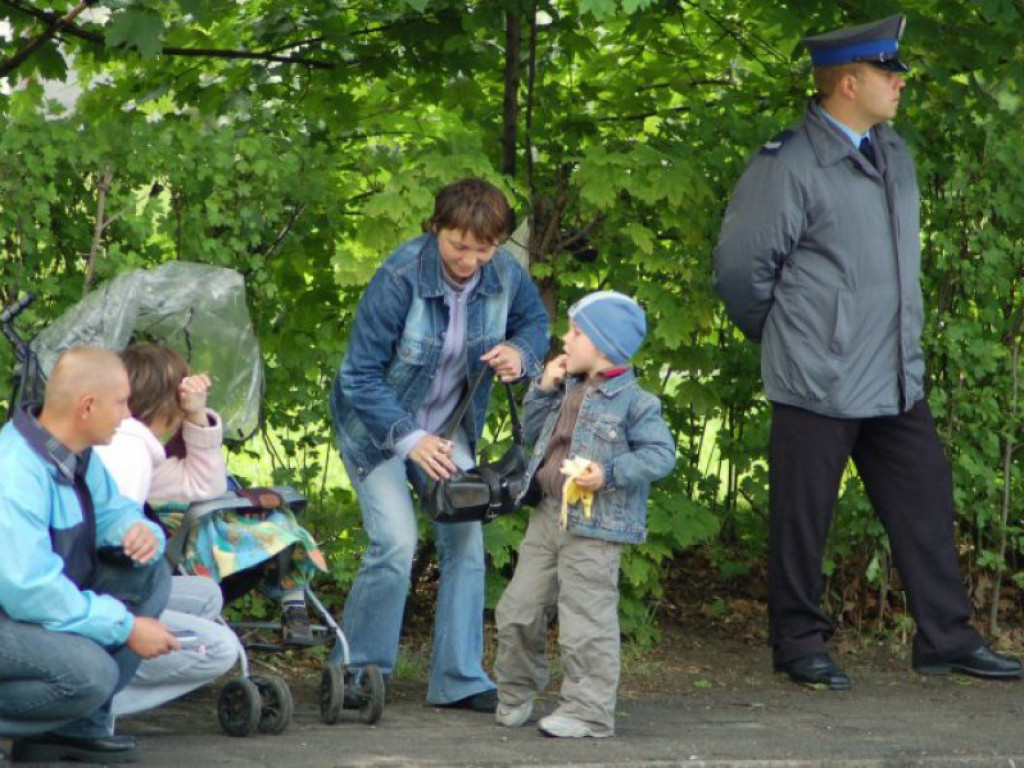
577 578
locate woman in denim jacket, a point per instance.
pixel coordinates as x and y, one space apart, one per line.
441 307
588 419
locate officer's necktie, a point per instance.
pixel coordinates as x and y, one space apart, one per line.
868 150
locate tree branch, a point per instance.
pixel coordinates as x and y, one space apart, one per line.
297 211
56 23
103 183
74 30
736 36
644 115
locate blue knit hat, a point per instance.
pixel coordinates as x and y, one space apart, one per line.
613 322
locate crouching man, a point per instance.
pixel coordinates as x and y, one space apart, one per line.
81 572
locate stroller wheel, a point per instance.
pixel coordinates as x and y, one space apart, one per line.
371 695
238 707
276 703
332 694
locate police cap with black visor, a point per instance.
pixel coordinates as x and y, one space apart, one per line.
876 43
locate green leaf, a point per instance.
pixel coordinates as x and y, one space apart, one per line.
599 8
136 28
205 10
641 236
49 62
632 6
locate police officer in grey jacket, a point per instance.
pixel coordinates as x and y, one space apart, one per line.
819 259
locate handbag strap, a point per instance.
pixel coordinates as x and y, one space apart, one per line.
449 427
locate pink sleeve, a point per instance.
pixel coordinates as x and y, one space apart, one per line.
202 474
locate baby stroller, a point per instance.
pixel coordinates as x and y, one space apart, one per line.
200 311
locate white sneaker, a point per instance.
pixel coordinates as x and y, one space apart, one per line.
513 717
563 727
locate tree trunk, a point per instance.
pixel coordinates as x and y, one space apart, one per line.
513 38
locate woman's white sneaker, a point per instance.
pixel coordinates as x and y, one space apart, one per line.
513 717
563 727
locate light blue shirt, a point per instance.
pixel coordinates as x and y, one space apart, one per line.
42 520
848 132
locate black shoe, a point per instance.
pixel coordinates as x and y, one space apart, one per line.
296 629
52 747
816 669
485 701
981 662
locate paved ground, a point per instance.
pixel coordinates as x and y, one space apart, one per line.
708 716
883 722
710 702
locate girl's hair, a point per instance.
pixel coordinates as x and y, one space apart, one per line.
474 206
154 372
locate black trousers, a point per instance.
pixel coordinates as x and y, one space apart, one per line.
910 484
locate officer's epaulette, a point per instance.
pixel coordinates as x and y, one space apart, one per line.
776 142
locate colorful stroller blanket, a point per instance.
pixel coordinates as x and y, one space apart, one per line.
233 541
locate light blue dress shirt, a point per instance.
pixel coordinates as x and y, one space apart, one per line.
848 132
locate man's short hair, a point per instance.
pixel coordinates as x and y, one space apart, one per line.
79 370
474 206
826 79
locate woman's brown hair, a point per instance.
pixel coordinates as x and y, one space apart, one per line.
154 372
474 206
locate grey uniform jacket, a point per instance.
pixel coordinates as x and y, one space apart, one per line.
819 258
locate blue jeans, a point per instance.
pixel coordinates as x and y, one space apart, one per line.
56 681
376 603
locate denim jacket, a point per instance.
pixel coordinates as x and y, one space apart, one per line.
621 427
397 339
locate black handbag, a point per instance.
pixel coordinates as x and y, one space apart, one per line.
487 490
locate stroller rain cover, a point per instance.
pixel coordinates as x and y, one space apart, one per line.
197 309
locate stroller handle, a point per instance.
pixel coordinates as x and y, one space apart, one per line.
7 316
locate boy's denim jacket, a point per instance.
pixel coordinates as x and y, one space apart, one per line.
620 426
397 338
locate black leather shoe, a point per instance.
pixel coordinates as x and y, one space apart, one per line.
485 701
981 662
816 669
52 747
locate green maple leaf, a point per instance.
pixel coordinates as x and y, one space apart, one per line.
631 6
136 28
600 8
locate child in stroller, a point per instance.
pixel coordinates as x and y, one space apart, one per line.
168 407
201 311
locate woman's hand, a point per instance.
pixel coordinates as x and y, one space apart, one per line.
192 397
433 454
506 361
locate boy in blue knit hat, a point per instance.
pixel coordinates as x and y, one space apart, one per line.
599 441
